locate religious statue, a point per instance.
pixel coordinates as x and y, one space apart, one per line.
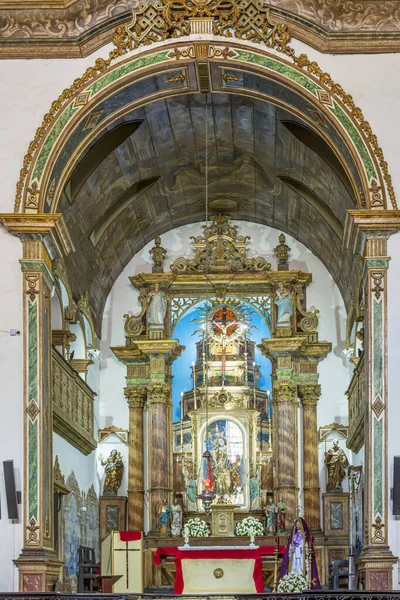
157 307
254 488
336 462
280 516
157 253
114 469
299 555
225 473
163 522
270 513
186 535
282 253
176 519
284 305
191 487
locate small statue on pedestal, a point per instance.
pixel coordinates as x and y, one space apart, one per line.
186 536
176 519
157 307
270 513
163 522
280 516
114 469
157 253
284 306
337 463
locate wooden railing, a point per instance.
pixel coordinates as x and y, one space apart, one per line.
73 405
356 395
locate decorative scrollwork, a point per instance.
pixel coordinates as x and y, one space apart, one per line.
309 322
378 534
135 324
32 527
378 288
248 20
32 281
220 249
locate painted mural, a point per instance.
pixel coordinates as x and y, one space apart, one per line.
80 526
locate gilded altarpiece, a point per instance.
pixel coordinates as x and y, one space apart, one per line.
227 281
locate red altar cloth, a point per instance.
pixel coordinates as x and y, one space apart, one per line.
130 536
215 554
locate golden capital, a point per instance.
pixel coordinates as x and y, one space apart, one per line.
284 391
310 394
136 396
160 394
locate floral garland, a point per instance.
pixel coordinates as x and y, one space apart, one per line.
248 526
198 528
292 582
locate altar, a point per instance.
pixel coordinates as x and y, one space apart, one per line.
219 569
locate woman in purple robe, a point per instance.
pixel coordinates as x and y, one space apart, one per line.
299 555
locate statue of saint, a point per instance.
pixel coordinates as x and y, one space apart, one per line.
222 469
337 463
163 522
114 469
299 557
157 308
284 305
176 519
270 513
280 516
254 488
191 487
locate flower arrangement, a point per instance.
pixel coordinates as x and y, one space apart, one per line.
198 528
292 582
249 525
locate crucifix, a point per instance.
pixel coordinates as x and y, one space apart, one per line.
225 324
127 550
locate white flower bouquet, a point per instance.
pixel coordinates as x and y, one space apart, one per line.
292 582
248 526
198 528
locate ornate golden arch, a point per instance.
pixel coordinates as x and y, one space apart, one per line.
236 33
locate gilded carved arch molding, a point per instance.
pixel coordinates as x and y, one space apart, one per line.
239 34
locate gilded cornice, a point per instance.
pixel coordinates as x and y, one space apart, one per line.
71 29
141 350
26 223
273 347
376 219
317 351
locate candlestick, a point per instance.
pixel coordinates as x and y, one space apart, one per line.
194 385
181 421
246 376
269 435
204 357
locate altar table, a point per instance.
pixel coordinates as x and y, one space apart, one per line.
217 570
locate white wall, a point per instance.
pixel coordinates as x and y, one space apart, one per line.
11 435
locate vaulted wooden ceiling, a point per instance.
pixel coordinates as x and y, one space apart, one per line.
147 176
